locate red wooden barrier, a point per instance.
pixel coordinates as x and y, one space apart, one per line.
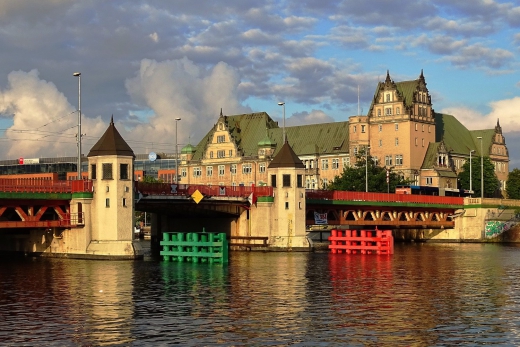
365 241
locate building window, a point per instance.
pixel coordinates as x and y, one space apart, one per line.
380 128
221 170
423 127
286 205
183 172
247 169
396 126
380 143
388 160
123 171
325 183
233 169
388 111
325 164
379 113
261 167
398 159
355 151
397 110
93 171
416 142
107 202
346 162
197 171
362 128
335 164
221 138
286 180
416 126
124 202
299 181
429 181
397 141
388 98
107 171
422 141
211 154
221 154
355 128
230 153
273 181
209 171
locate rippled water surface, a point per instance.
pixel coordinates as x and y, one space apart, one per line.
423 295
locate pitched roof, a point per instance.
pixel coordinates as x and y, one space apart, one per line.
458 138
248 130
111 143
286 158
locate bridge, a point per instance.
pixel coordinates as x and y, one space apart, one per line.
41 203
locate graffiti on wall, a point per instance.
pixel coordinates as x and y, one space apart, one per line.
495 228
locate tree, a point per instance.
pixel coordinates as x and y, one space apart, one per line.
513 184
354 178
491 182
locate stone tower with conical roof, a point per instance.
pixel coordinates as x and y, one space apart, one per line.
287 176
111 167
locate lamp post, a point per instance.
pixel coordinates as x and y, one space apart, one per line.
470 174
78 75
176 152
366 168
283 104
481 169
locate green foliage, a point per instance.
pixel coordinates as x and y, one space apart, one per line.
491 182
513 184
355 178
150 179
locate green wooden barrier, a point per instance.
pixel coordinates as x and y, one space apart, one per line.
195 247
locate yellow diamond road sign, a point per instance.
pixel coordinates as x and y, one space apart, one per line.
197 196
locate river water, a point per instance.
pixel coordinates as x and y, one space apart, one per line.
423 295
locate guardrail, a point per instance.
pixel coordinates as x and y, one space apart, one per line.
383 197
41 185
216 191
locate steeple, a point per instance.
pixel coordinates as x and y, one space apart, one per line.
111 143
388 80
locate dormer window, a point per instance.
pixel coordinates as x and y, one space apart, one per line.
221 138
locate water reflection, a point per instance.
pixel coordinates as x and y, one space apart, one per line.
423 295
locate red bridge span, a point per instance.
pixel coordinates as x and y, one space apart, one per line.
36 202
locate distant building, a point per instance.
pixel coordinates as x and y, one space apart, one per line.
401 131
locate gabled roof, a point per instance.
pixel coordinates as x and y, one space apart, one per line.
248 130
111 143
286 158
458 138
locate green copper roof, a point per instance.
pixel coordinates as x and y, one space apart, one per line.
188 149
249 131
458 138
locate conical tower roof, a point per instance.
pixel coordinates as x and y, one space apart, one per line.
111 143
286 158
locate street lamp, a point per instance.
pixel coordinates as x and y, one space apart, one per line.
283 104
78 75
366 168
481 169
470 174
176 152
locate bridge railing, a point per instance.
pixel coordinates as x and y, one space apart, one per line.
42 185
146 188
383 197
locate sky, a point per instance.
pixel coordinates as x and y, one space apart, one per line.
145 63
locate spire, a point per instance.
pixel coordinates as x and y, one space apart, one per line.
221 115
388 80
112 120
422 75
